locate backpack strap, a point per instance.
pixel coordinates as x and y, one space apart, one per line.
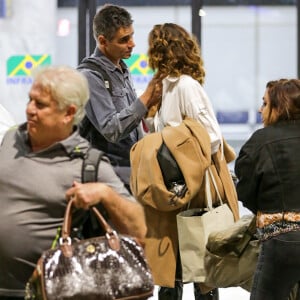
89 172
88 64
90 165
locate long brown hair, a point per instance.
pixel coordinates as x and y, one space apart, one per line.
284 96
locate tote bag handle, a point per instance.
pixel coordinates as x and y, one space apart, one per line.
208 175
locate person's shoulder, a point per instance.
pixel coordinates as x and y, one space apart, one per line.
178 79
257 135
189 86
91 64
14 128
266 133
259 131
5 117
181 82
188 78
187 81
8 133
256 141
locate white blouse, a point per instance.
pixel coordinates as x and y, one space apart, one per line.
185 97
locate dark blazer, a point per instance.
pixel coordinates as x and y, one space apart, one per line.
268 169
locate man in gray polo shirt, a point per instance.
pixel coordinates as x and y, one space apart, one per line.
41 163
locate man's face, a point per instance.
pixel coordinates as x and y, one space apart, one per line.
120 46
46 123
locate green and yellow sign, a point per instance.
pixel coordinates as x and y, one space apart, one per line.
138 65
19 67
22 65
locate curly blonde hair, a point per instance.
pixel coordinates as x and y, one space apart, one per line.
173 51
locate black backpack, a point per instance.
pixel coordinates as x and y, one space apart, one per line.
86 127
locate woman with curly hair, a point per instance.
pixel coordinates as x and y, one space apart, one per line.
175 56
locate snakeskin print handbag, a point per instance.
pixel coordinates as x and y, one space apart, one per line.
106 267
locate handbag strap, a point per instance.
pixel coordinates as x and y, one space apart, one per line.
208 175
248 236
110 234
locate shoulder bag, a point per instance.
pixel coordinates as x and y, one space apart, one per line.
105 267
231 255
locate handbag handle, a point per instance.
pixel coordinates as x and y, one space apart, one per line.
110 234
209 174
247 237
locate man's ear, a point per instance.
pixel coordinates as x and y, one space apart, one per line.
70 113
101 40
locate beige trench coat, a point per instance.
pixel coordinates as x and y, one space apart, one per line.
161 244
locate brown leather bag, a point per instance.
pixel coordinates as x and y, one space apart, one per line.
107 267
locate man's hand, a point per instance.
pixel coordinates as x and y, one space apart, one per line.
126 215
87 194
152 94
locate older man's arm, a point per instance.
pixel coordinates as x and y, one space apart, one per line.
127 216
